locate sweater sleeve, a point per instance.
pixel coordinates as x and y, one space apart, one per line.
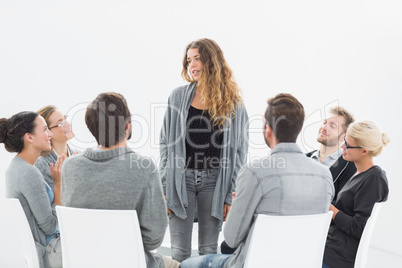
373 190
241 214
163 148
152 213
34 190
242 149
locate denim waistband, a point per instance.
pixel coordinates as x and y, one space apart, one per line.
202 171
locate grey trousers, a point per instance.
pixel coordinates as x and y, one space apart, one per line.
200 186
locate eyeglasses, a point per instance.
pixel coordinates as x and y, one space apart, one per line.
350 147
61 124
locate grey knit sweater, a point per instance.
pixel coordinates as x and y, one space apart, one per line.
118 179
43 164
25 182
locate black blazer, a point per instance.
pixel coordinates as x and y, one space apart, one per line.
341 171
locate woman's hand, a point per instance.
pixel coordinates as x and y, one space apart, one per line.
168 209
334 210
226 209
55 170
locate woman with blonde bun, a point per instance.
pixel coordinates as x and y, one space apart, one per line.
356 200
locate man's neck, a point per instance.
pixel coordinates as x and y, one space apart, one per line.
122 143
325 151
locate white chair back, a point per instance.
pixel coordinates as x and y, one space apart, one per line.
362 250
288 241
100 238
25 234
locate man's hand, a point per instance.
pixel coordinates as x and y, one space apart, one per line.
226 209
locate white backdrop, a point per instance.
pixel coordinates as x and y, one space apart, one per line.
323 52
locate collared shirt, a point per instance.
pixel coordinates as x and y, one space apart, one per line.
284 183
330 159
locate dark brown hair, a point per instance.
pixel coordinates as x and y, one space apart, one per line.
285 116
12 130
340 111
106 118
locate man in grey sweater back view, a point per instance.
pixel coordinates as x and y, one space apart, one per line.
115 177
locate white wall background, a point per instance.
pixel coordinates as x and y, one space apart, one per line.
323 52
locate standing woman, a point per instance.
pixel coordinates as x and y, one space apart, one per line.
62 132
356 200
27 134
203 144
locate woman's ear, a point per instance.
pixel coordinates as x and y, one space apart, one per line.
365 152
28 137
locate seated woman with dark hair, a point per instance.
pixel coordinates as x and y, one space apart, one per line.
27 134
356 200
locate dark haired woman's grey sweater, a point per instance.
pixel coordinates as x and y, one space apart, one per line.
26 182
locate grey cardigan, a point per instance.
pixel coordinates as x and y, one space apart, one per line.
25 182
173 154
43 164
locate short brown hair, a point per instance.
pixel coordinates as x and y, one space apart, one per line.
340 111
106 118
285 116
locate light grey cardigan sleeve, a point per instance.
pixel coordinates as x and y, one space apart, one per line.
242 128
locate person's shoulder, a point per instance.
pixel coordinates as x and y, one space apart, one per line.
74 159
142 162
377 172
44 161
179 92
19 169
41 162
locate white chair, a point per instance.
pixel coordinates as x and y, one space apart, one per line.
165 247
25 234
362 250
100 238
288 241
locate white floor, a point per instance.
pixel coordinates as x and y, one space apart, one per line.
379 258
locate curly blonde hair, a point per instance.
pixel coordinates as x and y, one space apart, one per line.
218 89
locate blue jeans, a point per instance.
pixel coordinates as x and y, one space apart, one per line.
207 261
53 250
325 266
200 186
